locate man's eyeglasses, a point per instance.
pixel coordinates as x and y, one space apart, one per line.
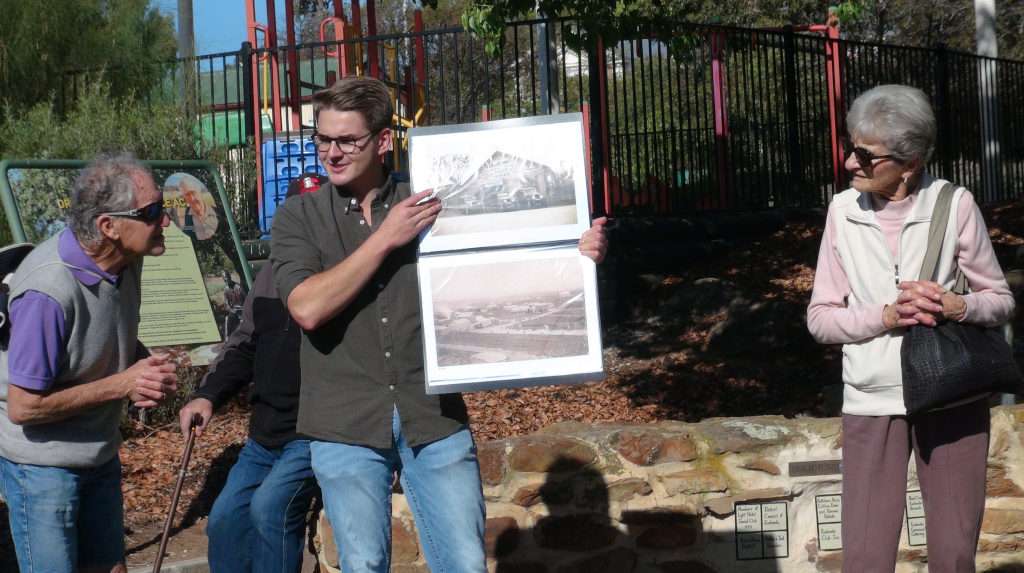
148 214
868 159
345 144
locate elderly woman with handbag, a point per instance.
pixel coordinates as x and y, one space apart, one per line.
866 297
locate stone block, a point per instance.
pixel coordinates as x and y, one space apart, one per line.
761 465
703 480
722 506
626 489
648 448
405 547
325 537
528 495
661 516
491 456
669 536
551 454
1003 521
685 567
586 532
998 484
409 568
740 435
1001 545
618 560
520 567
501 536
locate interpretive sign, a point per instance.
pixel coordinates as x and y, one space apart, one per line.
829 509
192 295
915 519
762 530
175 307
507 298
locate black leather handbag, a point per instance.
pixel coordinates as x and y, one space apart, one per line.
952 361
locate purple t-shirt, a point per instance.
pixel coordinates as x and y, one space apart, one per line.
37 322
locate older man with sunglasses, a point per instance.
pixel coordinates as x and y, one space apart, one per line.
73 359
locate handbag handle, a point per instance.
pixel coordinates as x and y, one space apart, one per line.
936 232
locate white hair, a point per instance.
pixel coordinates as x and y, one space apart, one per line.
896 116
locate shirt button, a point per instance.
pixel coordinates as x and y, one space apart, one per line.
380 286
391 387
387 355
352 201
362 222
384 320
385 205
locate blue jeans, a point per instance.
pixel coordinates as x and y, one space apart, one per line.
62 519
441 481
258 522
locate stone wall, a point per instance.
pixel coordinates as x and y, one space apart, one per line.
667 498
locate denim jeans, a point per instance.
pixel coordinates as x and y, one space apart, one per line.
441 481
63 519
258 521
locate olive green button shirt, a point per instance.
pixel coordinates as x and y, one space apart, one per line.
361 364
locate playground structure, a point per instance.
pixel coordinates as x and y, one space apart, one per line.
282 111
738 120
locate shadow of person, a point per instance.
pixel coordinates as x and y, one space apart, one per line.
589 528
578 523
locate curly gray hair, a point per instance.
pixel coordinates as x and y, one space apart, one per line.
897 116
105 185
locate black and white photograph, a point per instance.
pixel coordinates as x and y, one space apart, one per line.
510 318
517 181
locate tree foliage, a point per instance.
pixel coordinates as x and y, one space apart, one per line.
907 22
42 39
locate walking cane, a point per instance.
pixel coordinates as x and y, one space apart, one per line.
196 420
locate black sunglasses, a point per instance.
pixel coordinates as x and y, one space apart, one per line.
866 158
148 214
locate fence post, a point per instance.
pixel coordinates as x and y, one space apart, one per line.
833 57
721 110
796 169
245 57
598 125
942 110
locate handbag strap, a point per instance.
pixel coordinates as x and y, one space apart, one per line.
936 232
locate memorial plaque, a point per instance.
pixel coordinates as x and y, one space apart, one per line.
829 509
916 536
748 518
776 544
815 468
749 546
762 530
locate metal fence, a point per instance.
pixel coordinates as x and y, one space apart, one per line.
717 118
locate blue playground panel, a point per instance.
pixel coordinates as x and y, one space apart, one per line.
284 160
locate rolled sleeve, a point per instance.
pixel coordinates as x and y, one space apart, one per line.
293 252
37 341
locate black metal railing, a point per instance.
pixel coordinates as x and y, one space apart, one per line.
718 118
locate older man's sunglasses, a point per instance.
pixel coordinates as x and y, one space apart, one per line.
148 214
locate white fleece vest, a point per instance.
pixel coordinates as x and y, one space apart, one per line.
872 373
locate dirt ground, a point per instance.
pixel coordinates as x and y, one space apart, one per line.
722 335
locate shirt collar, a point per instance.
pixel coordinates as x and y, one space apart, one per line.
79 263
384 194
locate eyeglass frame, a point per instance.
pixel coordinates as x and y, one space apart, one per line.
138 213
355 146
860 153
